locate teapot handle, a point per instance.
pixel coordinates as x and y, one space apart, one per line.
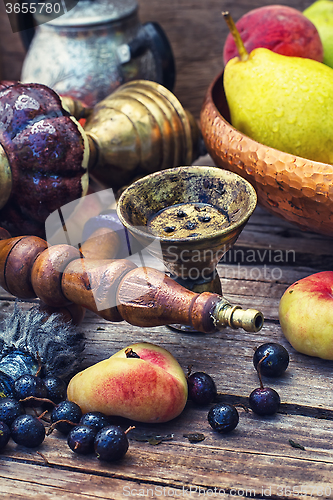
162 53
152 37
26 27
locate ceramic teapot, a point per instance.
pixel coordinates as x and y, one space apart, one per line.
93 48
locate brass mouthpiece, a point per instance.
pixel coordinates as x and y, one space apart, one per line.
225 314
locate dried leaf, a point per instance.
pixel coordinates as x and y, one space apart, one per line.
296 445
152 439
195 437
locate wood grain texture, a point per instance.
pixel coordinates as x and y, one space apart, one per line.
256 455
270 254
12 52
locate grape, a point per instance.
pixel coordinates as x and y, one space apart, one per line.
201 388
81 439
95 419
264 401
4 434
276 359
29 385
223 417
9 410
27 430
111 443
65 410
56 388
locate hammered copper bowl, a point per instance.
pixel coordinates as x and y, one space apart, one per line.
293 188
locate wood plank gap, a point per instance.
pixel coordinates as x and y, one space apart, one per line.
285 408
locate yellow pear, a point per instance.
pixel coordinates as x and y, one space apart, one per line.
142 382
281 101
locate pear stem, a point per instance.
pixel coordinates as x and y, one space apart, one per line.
243 53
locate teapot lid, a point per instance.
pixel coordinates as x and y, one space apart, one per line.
89 12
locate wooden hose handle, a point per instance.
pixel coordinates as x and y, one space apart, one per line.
115 289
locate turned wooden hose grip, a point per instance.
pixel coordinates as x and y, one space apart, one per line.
102 244
17 256
114 289
47 273
147 297
93 284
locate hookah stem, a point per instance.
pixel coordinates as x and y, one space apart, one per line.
115 289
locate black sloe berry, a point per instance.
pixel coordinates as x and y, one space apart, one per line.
223 417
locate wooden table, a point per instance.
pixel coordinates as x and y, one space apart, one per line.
256 459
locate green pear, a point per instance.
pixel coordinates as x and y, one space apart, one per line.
281 101
321 15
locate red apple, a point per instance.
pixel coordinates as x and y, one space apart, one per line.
142 382
279 28
306 315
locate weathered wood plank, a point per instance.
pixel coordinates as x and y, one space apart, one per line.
226 355
268 239
42 482
207 352
257 454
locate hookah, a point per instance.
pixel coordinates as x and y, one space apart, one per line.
116 288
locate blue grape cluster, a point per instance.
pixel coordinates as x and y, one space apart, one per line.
91 432
28 391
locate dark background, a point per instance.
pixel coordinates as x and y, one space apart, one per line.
195 29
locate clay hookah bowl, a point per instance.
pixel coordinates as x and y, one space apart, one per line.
195 214
293 188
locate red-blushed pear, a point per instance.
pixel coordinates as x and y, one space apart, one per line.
279 28
142 382
306 315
